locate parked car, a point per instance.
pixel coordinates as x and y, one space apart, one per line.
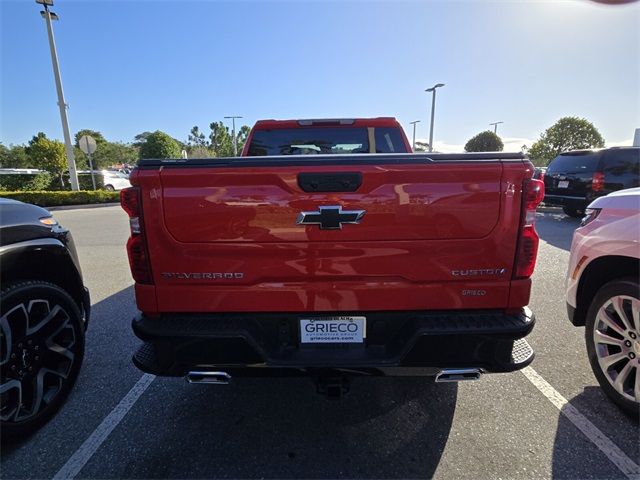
333 265
115 180
539 172
603 293
44 311
575 179
326 136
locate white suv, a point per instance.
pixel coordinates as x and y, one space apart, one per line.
603 293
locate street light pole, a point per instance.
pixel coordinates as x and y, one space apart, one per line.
233 133
414 133
433 111
71 161
495 126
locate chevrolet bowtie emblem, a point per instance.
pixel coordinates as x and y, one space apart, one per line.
330 218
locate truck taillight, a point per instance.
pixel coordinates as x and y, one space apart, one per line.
597 181
533 194
130 201
137 243
138 259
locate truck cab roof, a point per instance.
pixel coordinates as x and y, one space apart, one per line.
326 136
326 122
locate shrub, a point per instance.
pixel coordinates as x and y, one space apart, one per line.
54 199
39 181
12 182
84 180
16 181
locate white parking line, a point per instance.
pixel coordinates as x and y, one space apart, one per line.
81 456
610 449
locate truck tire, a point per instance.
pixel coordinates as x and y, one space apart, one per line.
41 351
613 342
573 212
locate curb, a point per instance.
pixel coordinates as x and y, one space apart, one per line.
77 207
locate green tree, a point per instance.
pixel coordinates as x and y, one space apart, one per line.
97 136
159 145
4 155
82 162
48 155
18 157
196 138
14 156
486 141
108 154
140 139
241 137
220 140
568 133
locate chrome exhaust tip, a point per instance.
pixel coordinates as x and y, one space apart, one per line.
211 378
458 375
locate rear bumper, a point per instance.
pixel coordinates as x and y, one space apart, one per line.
397 343
578 203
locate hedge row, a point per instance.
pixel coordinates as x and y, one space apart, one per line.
54 199
12 182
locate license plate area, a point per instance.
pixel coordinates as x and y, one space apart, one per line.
563 184
331 330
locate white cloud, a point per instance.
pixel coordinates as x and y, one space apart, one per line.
623 143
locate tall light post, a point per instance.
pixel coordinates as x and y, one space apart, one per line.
495 126
414 134
233 133
433 111
71 161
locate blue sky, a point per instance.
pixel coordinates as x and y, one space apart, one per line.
131 66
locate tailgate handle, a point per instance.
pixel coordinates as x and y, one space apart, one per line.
330 182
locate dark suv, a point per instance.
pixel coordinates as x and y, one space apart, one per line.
574 179
44 310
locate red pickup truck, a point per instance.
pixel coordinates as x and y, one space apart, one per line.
333 264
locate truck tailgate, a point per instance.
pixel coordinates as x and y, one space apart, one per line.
433 235
404 202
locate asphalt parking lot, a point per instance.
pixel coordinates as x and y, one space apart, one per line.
119 423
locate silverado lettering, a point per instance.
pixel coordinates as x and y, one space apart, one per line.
203 275
485 271
380 297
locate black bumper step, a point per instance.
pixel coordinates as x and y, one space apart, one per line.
490 341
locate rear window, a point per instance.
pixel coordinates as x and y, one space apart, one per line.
324 140
622 162
309 141
389 140
587 162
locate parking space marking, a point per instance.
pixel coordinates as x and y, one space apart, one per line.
81 456
593 433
